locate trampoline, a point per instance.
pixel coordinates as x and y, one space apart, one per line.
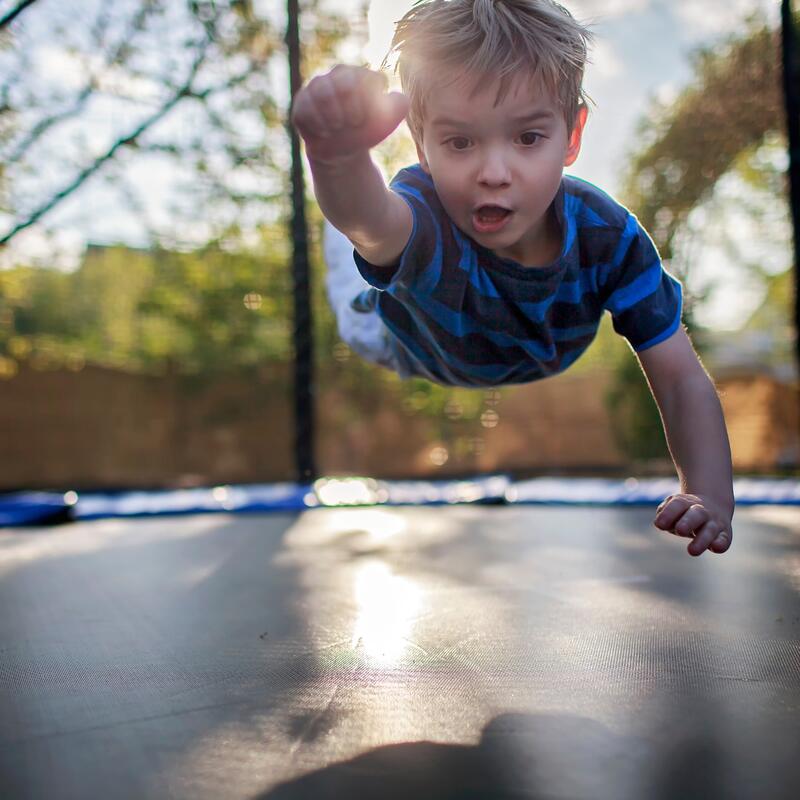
446 652
477 640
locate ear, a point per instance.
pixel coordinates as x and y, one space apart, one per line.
575 138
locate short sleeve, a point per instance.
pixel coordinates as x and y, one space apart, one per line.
645 301
424 244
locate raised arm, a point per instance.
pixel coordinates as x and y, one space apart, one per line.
341 115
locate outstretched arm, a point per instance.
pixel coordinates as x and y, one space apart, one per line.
698 441
341 115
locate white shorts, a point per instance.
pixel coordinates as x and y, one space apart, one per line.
362 330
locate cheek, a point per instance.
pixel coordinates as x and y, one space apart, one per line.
451 195
550 174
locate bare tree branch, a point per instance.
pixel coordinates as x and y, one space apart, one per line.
85 94
227 36
185 91
127 141
12 15
43 125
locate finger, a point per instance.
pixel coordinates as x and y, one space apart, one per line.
693 520
375 81
307 119
707 534
323 93
690 499
722 542
375 104
393 110
348 86
671 510
385 115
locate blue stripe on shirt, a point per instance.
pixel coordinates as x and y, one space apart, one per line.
643 286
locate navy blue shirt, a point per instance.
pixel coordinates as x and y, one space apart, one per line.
460 315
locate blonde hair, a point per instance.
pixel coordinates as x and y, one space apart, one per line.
490 39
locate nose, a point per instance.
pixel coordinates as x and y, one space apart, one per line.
494 169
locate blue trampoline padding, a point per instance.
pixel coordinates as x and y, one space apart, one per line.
35 508
599 491
592 491
490 489
38 508
368 491
291 497
763 491
272 497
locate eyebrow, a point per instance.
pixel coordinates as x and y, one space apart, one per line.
533 116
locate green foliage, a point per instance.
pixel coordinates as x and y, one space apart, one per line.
635 420
686 147
717 126
773 318
201 312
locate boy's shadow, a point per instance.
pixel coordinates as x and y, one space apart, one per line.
519 756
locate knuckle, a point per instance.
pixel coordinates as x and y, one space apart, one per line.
345 81
708 532
321 89
373 81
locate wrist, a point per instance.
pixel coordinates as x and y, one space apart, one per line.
337 164
722 500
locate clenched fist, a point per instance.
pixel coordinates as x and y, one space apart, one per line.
346 111
705 522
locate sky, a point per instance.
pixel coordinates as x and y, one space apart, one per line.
641 52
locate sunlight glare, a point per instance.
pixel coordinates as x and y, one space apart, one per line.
382 17
349 491
379 524
387 608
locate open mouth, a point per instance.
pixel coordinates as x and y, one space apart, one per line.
489 218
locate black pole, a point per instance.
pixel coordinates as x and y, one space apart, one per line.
15 12
791 88
303 341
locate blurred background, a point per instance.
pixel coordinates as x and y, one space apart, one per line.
146 324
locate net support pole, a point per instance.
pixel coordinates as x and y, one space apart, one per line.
791 87
302 329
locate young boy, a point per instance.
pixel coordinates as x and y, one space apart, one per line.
487 265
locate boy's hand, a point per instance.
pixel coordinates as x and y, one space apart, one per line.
346 111
706 523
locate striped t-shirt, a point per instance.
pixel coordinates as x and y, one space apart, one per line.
460 315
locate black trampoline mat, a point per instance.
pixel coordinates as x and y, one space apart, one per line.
456 652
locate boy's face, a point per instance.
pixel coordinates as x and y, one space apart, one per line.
498 169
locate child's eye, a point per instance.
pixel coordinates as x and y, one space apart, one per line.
529 137
458 143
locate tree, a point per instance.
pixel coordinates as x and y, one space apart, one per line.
216 110
733 104
191 89
716 127
200 313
